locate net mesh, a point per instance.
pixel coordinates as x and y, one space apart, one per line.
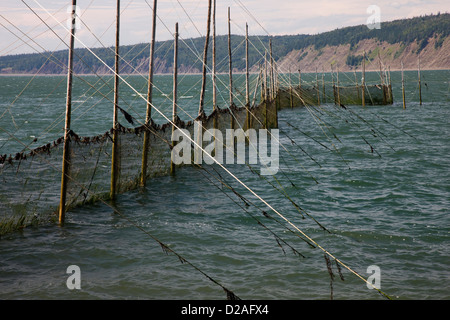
31 182
373 95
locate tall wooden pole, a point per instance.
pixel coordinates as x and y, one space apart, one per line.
205 61
265 90
334 87
115 146
149 98
272 76
230 62
258 80
265 77
381 70
383 87
230 67
338 90
403 89
323 86
247 84
363 82
66 151
175 86
299 78
420 84
291 98
390 86
214 59
300 84
247 80
356 83
317 89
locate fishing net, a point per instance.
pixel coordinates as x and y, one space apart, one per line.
373 95
31 181
298 96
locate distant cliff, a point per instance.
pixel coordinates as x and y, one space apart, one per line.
395 42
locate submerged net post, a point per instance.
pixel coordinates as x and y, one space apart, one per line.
115 146
175 83
66 151
149 99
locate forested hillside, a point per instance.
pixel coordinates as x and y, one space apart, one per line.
396 41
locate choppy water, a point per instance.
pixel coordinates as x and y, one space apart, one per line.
388 208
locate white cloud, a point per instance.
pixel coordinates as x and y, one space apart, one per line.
272 16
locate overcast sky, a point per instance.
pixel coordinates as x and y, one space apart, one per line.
274 17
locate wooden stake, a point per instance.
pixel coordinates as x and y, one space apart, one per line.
337 80
265 76
205 61
381 70
403 89
383 88
363 83
115 146
247 84
334 87
247 80
214 62
214 78
317 89
420 85
291 101
66 151
149 99
175 85
390 86
323 86
256 87
230 62
272 77
299 78
356 82
265 90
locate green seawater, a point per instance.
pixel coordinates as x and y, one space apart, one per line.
377 178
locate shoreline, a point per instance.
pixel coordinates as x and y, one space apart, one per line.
170 74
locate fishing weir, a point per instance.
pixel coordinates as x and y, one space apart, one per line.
80 170
44 183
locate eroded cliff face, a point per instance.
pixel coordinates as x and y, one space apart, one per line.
432 56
